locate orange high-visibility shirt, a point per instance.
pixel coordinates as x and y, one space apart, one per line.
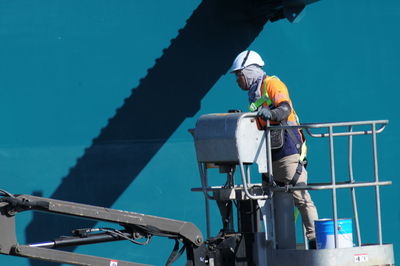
278 93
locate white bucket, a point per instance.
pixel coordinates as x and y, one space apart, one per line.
326 236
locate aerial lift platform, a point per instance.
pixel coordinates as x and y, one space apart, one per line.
265 233
265 215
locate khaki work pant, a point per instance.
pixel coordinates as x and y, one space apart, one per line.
284 170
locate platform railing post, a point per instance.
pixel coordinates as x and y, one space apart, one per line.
204 184
248 174
334 203
378 202
270 179
269 153
353 191
306 246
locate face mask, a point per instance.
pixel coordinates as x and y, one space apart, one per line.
253 75
241 81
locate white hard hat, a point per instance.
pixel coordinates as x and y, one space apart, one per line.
245 59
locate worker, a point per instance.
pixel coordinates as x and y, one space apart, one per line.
269 97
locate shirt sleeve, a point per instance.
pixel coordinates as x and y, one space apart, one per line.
277 91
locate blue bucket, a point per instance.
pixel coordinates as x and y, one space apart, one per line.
326 236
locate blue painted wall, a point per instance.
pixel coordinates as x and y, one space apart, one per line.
96 98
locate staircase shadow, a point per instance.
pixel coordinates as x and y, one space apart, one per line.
171 91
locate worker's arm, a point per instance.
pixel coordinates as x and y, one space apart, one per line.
281 112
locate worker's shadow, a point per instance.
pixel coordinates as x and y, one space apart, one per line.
172 91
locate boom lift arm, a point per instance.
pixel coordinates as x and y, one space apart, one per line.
136 226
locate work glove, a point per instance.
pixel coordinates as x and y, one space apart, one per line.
264 113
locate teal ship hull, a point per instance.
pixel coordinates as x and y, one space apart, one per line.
97 98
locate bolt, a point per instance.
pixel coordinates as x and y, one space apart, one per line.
17 250
137 235
198 240
11 212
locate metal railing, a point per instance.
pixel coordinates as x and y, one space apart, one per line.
351 184
348 129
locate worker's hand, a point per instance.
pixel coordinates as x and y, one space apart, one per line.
264 113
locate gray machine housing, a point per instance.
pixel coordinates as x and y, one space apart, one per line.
230 138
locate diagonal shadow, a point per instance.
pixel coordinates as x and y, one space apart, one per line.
203 51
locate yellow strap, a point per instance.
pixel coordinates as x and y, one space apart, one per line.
269 102
296 214
303 153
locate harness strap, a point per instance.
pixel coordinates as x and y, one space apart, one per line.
254 106
263 99
295 178
300 146
297 174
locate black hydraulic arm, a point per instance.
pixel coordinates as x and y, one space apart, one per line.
152 224
136 226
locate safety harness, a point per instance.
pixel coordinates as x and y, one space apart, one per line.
300 146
